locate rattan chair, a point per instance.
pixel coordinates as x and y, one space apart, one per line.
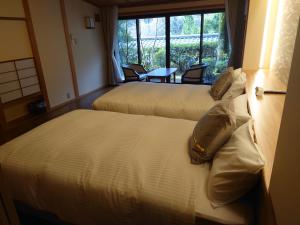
194 75
132 75
137 68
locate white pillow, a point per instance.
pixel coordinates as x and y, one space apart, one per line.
240 108
235 167
237 87
237 73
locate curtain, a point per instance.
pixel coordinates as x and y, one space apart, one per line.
109 19
236 20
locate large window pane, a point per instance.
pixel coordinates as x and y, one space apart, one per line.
153 42
185 41
127 41
215 44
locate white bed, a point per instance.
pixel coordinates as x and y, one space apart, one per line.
97 167
182 101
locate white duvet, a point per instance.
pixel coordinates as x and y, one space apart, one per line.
96 167
183 101
93 167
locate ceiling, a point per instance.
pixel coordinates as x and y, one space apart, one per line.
125 3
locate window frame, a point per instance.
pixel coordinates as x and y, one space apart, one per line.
167 16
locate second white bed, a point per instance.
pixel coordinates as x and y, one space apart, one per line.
182 101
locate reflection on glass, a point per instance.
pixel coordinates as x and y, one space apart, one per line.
153 42
215 45
127 41
184 41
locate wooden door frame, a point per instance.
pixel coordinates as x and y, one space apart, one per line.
35 52
69 48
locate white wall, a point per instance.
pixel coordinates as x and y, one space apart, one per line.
51 42
285 35
285 180
88 46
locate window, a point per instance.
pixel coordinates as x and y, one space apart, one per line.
185 41
176 41
153 42
128 41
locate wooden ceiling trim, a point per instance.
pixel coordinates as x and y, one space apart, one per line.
136 3
170 11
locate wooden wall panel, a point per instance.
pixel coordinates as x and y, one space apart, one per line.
11 8
15 43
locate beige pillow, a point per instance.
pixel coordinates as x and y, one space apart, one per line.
238 85
211 132
237 73
240 105
222 84
235 167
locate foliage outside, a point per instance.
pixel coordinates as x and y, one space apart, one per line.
182 55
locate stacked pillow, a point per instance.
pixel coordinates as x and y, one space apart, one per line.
222 84
240 105
238 85
224 136
235 167
229 85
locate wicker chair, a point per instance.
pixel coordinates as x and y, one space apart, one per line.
132 75
137 68
194 75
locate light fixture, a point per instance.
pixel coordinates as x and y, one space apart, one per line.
89 22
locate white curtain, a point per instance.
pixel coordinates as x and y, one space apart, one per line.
109 19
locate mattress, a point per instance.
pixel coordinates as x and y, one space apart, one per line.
183 101
97 167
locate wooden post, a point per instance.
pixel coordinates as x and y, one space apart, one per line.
36 53
2 117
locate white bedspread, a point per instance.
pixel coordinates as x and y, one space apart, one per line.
93 167
96 167
183 101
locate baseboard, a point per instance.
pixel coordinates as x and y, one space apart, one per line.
54 108
91 92
78 98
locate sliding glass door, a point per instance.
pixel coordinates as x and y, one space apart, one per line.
127 37
215 44
185 41
153 42
176 41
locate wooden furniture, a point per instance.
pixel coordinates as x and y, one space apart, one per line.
195 74
18 78
266 111
164 74
20 84
132 75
